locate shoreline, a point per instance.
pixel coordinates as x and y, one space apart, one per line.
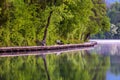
44 48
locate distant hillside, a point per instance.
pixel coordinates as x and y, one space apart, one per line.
108 2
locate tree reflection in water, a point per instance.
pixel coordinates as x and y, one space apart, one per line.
66 66
45 65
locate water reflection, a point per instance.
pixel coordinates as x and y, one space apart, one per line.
45 65
110 48
100 63
76 65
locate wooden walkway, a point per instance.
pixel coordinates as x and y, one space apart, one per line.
43 48
41 53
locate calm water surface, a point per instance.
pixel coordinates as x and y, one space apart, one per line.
100 63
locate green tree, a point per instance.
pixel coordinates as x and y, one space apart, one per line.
100 21
113 13
42 22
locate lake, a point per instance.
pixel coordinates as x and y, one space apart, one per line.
99 63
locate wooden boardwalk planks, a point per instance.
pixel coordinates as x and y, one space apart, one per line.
40 53
42 48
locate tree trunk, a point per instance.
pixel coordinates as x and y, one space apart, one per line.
87 36
46 29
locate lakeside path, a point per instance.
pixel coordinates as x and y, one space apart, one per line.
46 48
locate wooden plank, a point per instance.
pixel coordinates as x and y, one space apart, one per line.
39 48
39 53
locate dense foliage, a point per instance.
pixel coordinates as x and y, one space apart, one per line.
113 13
67 66
31 22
